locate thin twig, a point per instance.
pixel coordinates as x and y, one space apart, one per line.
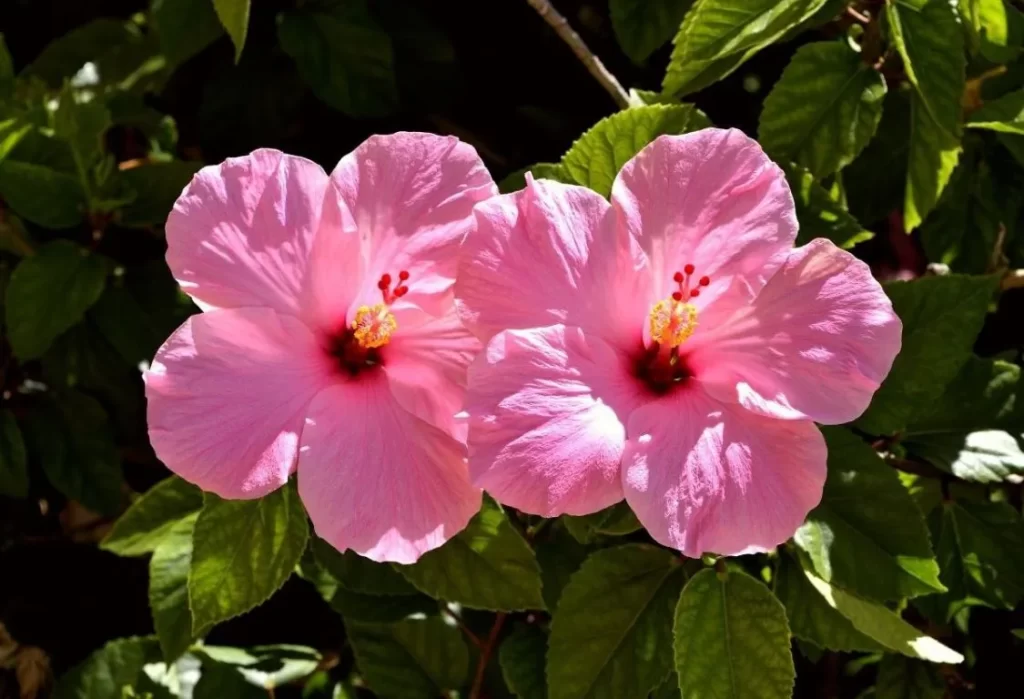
860 17
593 64
473 638
485 654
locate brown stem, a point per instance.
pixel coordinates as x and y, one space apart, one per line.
485 654
855 14
593 64
473 638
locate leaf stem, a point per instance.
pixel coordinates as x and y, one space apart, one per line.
473 638
593 64
487 650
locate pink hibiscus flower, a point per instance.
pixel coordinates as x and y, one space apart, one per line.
329 342
670 347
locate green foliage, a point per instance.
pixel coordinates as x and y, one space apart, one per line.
522 662
168 588
234 15
867 535
612 619
152 517
185 27
718 36
243 551
596 158
644 26
941 317
732 639
824 109
344 55
485 566
411 659
13 464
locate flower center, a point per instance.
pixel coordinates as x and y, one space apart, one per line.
674 319
373 325
357 347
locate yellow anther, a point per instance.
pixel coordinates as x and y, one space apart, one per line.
373 326
672 322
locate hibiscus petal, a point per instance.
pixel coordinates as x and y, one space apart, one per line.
241 232
426 364
710 477
398 202
376 479
549 255
227 394
712 199
815 344
547 409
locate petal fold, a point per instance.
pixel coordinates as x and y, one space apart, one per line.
815 344
547 411
709 477
712 199
549 255
241 232
378 480
398 202
227 395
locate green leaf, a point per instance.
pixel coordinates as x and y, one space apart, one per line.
1005 114
882 624
979 545
941 317
412 659
156 187
168 589
597 156
96 41
41 194
994 29
243 551
108 671
151 518
732 639
13 462
875 182
559 555
930 41
669 689
11 133
224 681
343 55
49 292
125 325
811 618
380 609
234 15
644 26
485 566
819 214
867 534
962 230
973 430
358 574
82 124
718 36
72 439
522 657
612 632
900 677
824 109
185 27
6 71
617 520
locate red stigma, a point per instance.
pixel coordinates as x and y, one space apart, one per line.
704 281
401 291
678 277
382 285
694 293
385 279
403 275
688 269
389 295
677 295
